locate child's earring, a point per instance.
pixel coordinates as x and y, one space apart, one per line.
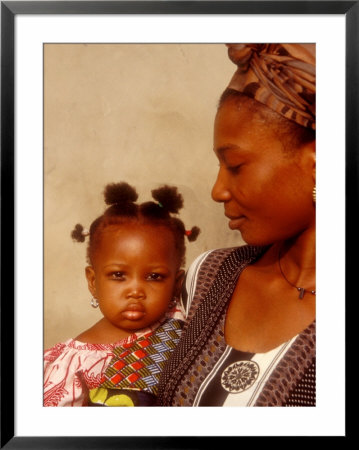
94 302
172 303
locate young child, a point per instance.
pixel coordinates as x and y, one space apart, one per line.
135 254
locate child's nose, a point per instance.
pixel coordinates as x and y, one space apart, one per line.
136 290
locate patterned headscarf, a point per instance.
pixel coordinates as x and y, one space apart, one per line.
281 76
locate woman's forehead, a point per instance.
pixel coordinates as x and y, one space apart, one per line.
245 108
235 119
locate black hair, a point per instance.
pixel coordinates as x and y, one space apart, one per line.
122 209
292 135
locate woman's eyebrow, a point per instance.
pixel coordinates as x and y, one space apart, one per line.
224 148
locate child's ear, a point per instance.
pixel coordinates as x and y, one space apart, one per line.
178 283
90 275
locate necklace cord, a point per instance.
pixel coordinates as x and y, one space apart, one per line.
301 290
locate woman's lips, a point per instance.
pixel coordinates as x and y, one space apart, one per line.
235 222
133 312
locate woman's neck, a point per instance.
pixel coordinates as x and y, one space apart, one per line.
301 249
294 257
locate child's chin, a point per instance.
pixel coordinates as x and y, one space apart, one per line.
133 326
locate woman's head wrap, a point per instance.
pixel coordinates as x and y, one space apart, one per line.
281 76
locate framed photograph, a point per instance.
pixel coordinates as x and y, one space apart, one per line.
98 92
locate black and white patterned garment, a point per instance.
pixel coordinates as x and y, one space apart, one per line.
205 371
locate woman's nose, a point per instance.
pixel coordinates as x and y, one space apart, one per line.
220 192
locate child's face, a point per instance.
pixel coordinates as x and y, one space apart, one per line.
135 274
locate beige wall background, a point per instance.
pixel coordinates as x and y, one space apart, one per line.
124 112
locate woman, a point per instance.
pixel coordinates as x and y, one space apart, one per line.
249 339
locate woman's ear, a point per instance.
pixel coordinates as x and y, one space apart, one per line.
314 160
90 275
178 283
308 159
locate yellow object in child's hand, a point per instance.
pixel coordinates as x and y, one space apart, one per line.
120 397
119 400
98 395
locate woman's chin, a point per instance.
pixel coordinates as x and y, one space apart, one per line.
254 240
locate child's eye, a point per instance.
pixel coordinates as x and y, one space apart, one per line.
155 277
118 275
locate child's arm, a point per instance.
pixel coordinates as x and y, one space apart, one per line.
62 386
69 369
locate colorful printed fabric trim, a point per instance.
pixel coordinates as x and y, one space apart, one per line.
139 365
281 76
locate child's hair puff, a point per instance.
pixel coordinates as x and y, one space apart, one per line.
77 233
120 193
121 197
168 198
193 234
122 209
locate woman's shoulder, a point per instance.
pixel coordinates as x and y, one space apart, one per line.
218 255
204 269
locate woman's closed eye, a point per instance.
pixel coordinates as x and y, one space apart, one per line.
234 169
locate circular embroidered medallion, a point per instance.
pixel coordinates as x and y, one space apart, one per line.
239 376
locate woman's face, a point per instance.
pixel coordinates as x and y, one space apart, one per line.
267 194
134 275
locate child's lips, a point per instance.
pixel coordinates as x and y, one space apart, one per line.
134 311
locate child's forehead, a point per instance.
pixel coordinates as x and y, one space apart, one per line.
135 240
145 230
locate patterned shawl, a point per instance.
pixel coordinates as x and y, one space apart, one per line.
281 76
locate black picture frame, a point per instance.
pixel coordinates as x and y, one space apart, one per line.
9 10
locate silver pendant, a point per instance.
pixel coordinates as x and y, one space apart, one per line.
301 292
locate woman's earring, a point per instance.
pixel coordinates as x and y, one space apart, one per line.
314 194
94 302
